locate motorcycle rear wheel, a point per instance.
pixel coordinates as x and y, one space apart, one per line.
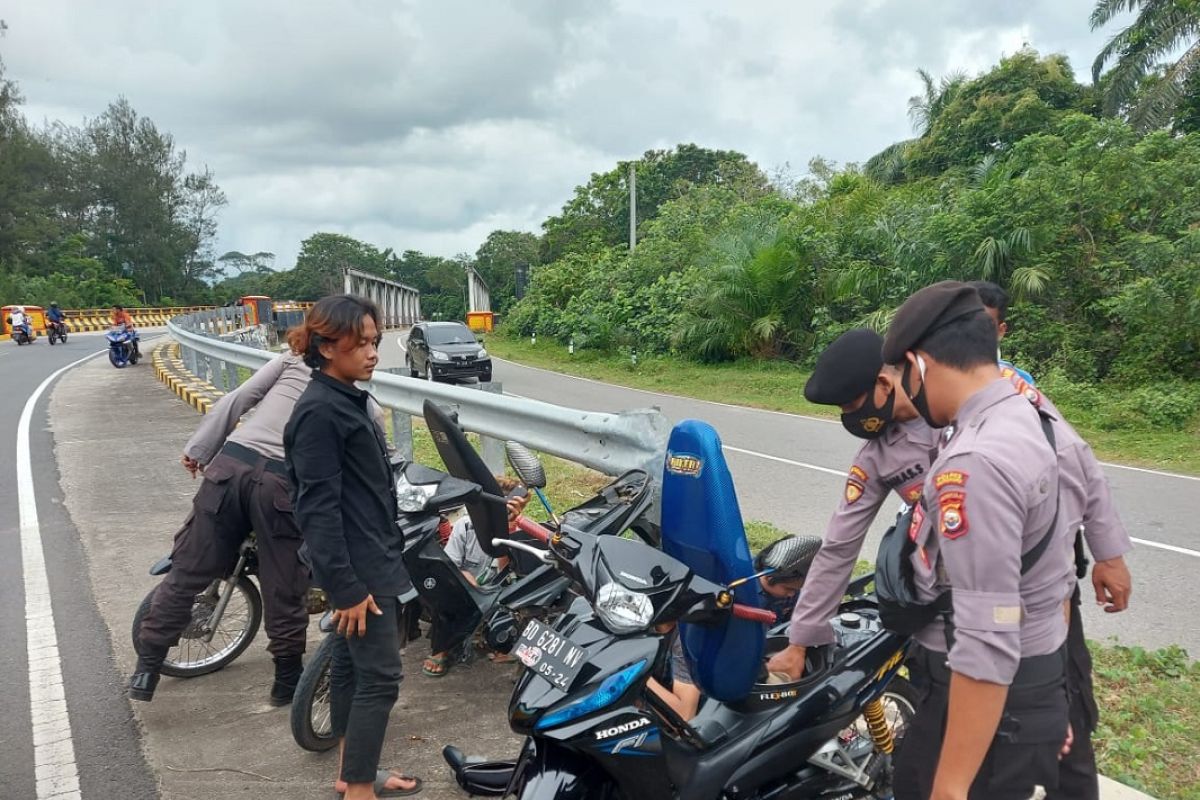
311 721
192 656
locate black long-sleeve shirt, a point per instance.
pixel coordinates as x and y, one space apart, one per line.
344 494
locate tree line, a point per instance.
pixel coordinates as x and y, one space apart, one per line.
1018 176
106 212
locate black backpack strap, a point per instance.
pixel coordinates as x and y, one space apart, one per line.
1031 558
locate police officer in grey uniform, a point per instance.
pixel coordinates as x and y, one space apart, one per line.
895 457
245 489
994 718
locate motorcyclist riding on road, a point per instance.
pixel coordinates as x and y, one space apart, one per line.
20 320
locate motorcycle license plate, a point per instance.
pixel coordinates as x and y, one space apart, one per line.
550 654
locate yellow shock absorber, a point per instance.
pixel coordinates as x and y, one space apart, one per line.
877 724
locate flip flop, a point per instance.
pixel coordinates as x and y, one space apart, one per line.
442 662
384 775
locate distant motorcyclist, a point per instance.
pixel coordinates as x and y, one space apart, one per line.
55 317
121 318
21 321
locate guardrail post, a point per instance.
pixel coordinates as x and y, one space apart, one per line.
231 376
221 376
492 450
402 431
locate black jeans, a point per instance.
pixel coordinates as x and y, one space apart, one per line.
364 679
234 499
1024 753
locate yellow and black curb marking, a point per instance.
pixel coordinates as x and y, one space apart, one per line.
170 369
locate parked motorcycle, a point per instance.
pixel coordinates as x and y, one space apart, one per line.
122 346
56 332
225 618
423 495
593 728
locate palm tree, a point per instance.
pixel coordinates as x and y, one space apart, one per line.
1161 29
925 108
758 291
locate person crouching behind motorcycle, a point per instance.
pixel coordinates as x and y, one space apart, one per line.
463 549
789 560
245 488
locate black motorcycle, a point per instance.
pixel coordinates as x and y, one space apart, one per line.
56 332
225 618
594 729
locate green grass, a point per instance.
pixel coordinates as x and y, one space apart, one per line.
1149 734
779 387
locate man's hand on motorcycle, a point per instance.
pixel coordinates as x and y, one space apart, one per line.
191 465
1113 584
353 621
789 660
516 505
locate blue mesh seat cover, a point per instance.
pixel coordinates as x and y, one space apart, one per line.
702 527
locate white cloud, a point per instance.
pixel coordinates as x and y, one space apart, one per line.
425 125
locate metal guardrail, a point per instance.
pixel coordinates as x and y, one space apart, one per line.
610 443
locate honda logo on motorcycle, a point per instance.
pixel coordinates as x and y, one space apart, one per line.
624 727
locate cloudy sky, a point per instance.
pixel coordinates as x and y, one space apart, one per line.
426 124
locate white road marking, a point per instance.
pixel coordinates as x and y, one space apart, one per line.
787 414
54 765
1161 546
732 449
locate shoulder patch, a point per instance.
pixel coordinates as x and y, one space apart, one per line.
952 477
918 518
1025 390
913 493
855 484
952 514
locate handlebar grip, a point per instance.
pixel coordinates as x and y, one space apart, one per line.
754 614
535 530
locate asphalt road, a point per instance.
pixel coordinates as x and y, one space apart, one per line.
790 470
106 754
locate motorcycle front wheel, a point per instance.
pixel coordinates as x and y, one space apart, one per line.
192 655
312 726
115 359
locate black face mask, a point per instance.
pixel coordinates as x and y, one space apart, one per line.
870 421
919 400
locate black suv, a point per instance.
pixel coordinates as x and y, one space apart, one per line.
445 351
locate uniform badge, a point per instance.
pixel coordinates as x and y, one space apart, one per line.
1025 390
952 477
918 518
952 514
855 484
913 493
872 424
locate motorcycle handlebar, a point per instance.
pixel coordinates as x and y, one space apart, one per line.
754 614
535 530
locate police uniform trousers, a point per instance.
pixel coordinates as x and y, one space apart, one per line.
242 492
1030 736
1077 776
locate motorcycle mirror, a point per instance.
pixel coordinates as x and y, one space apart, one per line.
526 464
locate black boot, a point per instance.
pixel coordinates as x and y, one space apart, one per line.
287 675
145 674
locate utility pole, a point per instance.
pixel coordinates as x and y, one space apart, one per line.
632 206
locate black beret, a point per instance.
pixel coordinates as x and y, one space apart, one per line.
926 311
846 369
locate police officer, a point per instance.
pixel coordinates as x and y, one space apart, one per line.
895 458
245 489
988 528
1085 489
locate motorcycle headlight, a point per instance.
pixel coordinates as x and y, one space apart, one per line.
482 353
411 499
623 610
438 355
